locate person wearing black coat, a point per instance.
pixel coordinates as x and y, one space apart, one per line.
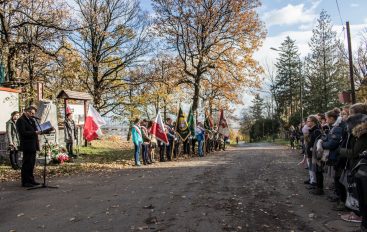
355 152
332 142
29 144
314 134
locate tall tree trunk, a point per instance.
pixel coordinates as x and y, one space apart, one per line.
157 105
165 110
96 90
10 75
195 98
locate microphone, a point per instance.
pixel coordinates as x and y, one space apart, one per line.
36 117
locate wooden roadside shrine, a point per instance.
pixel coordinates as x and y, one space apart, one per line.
74 95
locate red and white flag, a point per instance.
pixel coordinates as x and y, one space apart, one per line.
93 123
68 110
158 129
223 125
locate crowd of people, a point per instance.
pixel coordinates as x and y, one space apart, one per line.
22 135
335 143
150 149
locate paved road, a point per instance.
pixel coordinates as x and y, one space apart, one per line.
247 188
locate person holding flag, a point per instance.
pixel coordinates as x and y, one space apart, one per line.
171 137
158 130
93 123
208 126
223 128
200 136
146 142
137 140
192 137
182 129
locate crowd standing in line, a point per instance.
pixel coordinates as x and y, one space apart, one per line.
335 144
146 144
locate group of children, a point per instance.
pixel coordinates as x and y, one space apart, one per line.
336 143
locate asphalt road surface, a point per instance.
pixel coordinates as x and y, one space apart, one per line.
256 187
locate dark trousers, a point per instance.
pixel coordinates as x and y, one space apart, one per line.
145 152
69 148
340 189
13 156
169 150
161 152
29 160
320 176
186 146
361 184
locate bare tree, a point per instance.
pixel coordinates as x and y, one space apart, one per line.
112 37
208 34
30 30
360 68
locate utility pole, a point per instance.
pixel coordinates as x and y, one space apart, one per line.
351 65
301 89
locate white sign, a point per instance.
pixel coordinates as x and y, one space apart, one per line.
78 113
9 102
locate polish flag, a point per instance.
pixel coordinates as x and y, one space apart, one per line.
93 123
157 129
222 125
68 110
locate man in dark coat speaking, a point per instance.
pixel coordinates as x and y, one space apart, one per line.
29 144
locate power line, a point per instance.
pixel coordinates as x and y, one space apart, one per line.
341 21
340 15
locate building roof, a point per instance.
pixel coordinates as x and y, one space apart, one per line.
68 94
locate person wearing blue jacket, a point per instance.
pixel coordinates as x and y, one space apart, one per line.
331 142
137 140
200 135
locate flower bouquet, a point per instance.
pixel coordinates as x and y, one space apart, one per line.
60 158
57 154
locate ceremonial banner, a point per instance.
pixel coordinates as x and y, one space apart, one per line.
191 122
158 129
93 123
222 125
208 123
182 127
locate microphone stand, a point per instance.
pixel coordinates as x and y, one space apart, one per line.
46 145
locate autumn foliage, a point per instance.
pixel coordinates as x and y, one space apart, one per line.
197 52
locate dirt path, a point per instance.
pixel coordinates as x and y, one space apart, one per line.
249 188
